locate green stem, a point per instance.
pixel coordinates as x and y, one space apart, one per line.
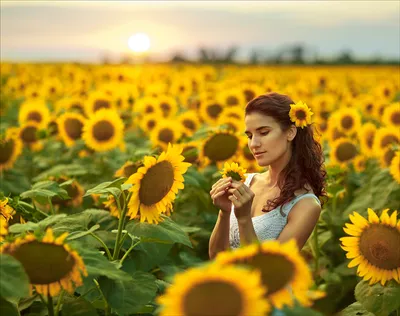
50 305
51 207
108 308
59 302
87 292
121 224
316 251
103 244
129 250
334 204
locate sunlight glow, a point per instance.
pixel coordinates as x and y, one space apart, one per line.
139 42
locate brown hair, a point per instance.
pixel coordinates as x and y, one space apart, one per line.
305 166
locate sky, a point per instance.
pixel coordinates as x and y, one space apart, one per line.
88 30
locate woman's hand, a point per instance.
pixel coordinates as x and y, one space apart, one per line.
220 196
242 198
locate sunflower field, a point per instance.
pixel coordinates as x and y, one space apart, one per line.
105 174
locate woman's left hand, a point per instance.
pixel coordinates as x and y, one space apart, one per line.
242 198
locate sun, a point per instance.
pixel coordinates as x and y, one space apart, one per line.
139 42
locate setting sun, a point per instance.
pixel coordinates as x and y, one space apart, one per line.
139 42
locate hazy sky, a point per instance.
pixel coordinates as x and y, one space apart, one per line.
78 30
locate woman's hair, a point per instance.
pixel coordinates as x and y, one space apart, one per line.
305 166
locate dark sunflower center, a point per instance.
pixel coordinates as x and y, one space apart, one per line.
369 107
249 95
189 124
103 131
190 153
156 183
324 114
130 170
276 270
6 150
149 109
73 127
387 140
53 128
386 92
346 151
166 135
379 244
44 263
213 298
77 107
151 124
214 110
234 115
101 104
395 118
323 126
221 147
300 114
388 156
34 116
232 100
347 122
370 139
28 134
166 108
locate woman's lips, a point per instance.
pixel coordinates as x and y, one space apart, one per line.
257 155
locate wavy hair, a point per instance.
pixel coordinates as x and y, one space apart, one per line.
306 165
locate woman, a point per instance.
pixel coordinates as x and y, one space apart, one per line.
281 203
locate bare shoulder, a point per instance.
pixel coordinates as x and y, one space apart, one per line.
307 207
307 189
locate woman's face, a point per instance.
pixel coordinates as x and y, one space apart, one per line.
266 140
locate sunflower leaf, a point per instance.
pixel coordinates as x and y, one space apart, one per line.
377 299
62 169
14 282
78 307
112 187
8 308
354 309
44 190
77 235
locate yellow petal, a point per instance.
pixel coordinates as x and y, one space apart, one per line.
385 217
393 219
358 220
372 217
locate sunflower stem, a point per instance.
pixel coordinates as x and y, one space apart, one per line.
129 250
121 224
103 244
60 299
50 305
316 251
334 203
107 309
51 206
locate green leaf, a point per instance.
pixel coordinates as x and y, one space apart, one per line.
110 187
300 311
78 307
30 226
167 231
7 308
377 299
77 235
14 282
129 296
73 223
62 169
44 190
354 309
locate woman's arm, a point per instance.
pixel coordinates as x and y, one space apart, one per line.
301 221
219 240
246 231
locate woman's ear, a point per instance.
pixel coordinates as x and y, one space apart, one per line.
291 133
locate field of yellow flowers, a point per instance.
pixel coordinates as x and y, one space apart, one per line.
105 173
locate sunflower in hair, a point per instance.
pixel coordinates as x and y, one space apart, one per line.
50 263
104 130
300 114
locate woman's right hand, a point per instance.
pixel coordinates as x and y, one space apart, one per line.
219 194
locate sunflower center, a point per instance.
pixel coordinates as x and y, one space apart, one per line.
44 263
346 151
130 170
53 128
387 140
276 270
166 108
213 298
190 153
103 131
232 100
100 104
189 124
6 150
379 244
249 95
166 135
395 118
347 122
28 134
150 124
221 147
300 114
370 139
73 128
149 109
369 107
388 156
34 116
156 183
214 110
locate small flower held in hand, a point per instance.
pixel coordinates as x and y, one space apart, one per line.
234 171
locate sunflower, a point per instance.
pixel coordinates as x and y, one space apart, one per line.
284 272
6 214
34 110
300 114
156 184
384 137
98 100
50 264
149 122
343 151
216 291
189 121
367 105
165 132
386 157
210 111
374 246
394 168
366 136
250 91
168 106
70 127
52 88
71 104
74 190
112 205
234 171
28 134
10 149
391 115
231 123
104 130
128 169
348 120
232 97
359 163
219 147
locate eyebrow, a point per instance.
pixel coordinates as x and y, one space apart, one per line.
259 128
